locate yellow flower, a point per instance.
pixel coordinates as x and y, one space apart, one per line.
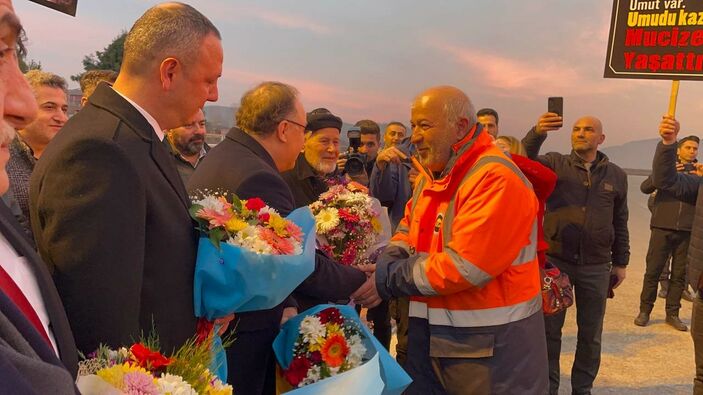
278 224
376 224
114 375
327 219
235 224
333 328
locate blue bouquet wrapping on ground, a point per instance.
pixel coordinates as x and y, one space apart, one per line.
378 372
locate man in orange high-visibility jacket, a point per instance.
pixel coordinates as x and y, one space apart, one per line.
466 254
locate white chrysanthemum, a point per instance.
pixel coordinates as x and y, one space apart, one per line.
297 246
174 385
327 219
312 329
211 202
268 210
313 376
357 350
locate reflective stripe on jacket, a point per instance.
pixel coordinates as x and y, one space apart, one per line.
469 242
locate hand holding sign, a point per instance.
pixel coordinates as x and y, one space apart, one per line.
547 122
669 129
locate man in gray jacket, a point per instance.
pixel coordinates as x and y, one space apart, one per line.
586 227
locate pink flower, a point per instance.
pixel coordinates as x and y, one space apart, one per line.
138 383
294 231
280 245
214 217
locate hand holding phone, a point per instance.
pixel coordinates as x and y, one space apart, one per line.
556 105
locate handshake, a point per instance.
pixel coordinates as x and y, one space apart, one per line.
367 295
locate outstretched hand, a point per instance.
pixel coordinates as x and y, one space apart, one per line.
669 129
548 122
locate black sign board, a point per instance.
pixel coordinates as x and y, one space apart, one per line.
65 6
656 39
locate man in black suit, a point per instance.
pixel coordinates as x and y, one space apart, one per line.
109 211
36 344
270 134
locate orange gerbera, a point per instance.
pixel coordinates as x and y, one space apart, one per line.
335 350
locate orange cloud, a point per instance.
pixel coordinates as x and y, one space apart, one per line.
276 18
351 104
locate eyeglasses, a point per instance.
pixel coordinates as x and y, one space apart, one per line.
305 127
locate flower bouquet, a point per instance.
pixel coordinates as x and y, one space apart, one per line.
327 349
249 256
143 370
350 224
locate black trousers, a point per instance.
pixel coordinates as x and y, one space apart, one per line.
381 318
697 335
399 312
664 243
590 291
251 363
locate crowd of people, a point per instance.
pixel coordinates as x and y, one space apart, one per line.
98 245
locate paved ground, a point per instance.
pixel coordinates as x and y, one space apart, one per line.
652 360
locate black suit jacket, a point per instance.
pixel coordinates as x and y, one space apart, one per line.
14 233
27 364
110 218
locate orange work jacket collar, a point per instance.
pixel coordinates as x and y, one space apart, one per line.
464 152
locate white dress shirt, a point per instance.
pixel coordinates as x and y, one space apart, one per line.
149 118
21 273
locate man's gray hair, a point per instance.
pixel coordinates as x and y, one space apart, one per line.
263 107
169 29
39 78
460 106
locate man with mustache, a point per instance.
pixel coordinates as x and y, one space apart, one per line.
36 344
585 226
187 144
466 255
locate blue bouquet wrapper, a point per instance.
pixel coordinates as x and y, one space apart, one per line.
232 279
380 374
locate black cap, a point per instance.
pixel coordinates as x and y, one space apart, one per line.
321 118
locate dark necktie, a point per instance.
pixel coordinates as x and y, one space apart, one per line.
10 288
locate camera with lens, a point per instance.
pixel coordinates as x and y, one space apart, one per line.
356 161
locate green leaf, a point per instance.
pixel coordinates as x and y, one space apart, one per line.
216 236
193 211
236 203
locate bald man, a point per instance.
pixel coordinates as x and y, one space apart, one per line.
586 227
465 254
108 208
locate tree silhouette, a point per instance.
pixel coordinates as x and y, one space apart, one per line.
110 58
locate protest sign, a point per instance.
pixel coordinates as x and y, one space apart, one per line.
65 6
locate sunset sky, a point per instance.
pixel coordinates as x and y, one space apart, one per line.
368 59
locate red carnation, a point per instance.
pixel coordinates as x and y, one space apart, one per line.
297 370
264 217
315 357
148 359
255 204
348 216
330 314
